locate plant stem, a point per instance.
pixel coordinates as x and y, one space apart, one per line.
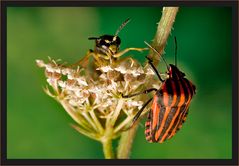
163 30
107 148
107 143
116 112
97 122
125 142
73 114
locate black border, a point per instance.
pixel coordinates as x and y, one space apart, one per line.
233 161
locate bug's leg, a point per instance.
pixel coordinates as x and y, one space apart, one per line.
127 50
141 110
136 117
144 92
131 61
84 61
154 69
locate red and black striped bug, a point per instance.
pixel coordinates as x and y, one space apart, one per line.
170 104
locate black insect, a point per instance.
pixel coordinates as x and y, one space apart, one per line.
106 49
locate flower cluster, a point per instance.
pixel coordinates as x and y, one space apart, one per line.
94 98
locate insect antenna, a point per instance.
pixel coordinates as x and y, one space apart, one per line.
176 49
157 53
122 26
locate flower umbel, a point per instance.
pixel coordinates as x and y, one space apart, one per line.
94 98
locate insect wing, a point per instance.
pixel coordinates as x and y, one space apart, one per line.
168 122
169 110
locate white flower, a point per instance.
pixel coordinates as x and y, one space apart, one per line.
105 68
94 89
66 71
50 68
136 72
57 70
113 86
62 84
71 76
149 71
103 76
72 87
81 81
51 81
132 103
121 69
73 102
40 63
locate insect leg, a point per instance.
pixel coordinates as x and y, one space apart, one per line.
141 110
154 69
127 50
136 117
84 61
144 92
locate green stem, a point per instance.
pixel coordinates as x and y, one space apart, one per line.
106 141
85 132
73 114
116 112
125 142
123 124
97 122
109 131
163 30
107 148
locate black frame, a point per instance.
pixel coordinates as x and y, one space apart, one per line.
233 161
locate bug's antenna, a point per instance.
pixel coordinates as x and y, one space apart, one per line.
157 53
176 49
122 26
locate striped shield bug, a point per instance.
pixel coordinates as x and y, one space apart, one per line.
170 104
106 49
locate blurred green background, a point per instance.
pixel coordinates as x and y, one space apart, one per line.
38 127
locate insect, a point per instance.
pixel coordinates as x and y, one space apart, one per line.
106 49
170 104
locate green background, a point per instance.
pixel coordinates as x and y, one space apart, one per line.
38 127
